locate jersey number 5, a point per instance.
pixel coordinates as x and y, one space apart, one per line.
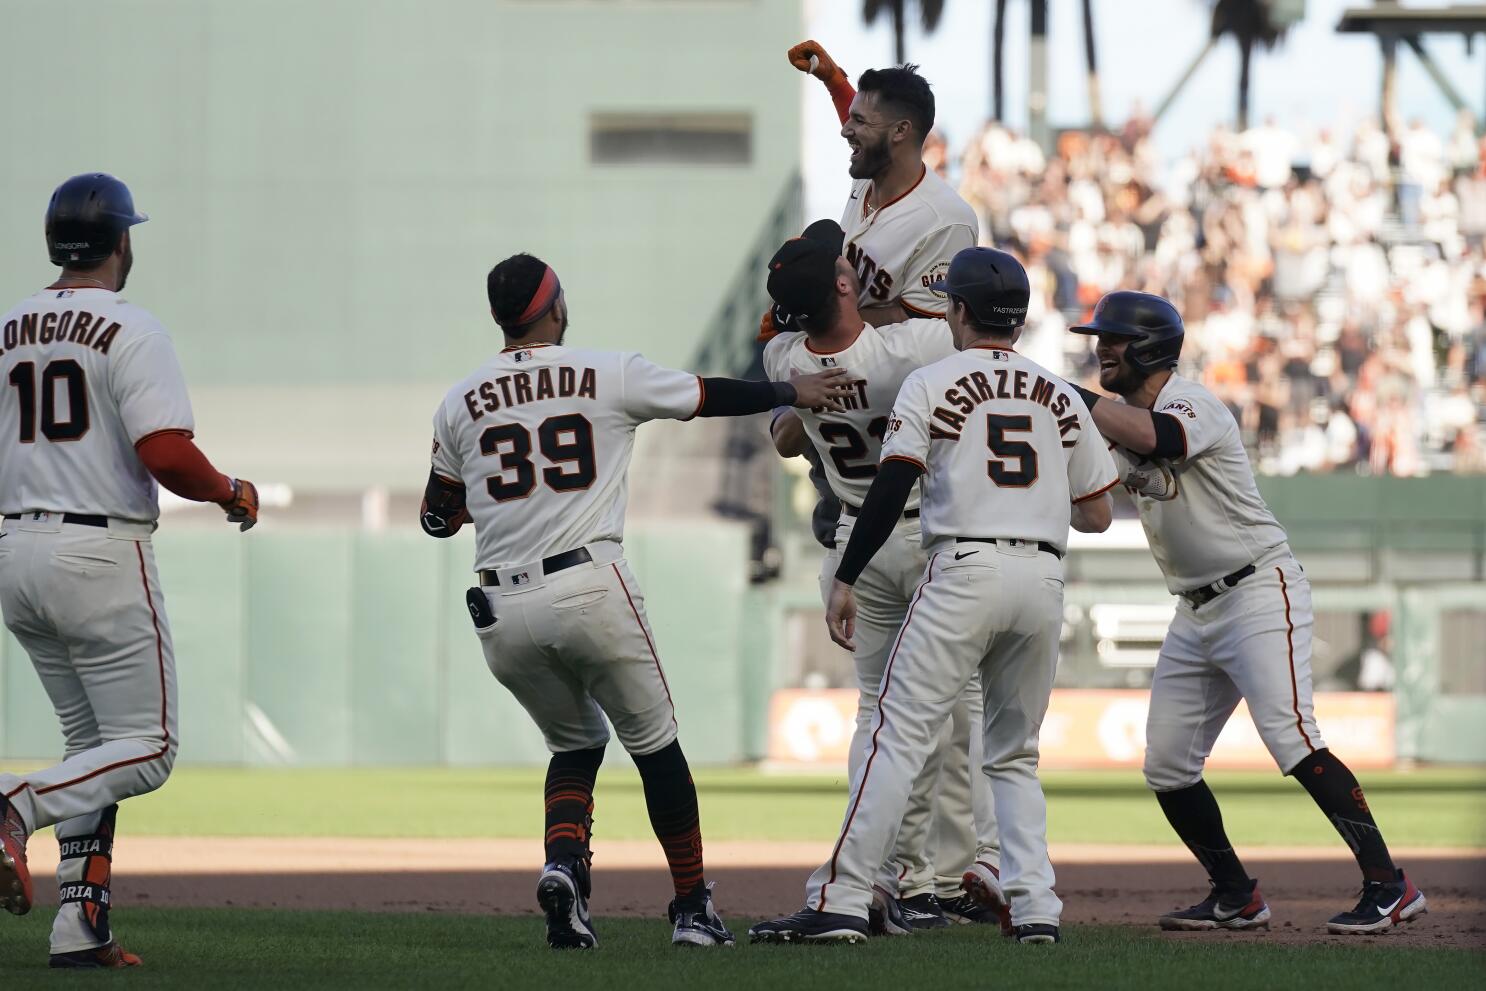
847 446
566 441
997 427
23 378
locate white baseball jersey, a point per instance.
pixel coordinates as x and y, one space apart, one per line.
905 245
541 437
850 442
87 376
1006 447
1217 522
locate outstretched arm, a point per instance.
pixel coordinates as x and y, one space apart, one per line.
809 57
1156 435
178 464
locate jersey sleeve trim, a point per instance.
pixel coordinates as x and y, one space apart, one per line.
701 398
1097 492
918 312
188 434
908 458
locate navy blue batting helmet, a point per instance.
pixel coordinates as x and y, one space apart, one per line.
1150 323
87 215
991 283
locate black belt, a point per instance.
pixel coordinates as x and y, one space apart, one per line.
1042 545
1202 596
550 565
912 514
81 519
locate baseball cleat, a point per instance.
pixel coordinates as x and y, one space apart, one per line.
1223 908
1384 904
697 922
1036 932
16 891
885 917
964 910
111 956
982 882
560 892
810 926
924 912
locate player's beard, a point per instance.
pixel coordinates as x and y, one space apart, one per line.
872 160
1122 380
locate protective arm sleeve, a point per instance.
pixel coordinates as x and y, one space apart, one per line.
178 464
737 397
1170 441
443 511
842 94
881 511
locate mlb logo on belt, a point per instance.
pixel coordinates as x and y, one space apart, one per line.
521 578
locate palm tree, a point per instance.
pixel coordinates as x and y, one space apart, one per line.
929 12
1249 23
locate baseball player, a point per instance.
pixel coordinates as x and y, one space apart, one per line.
533 447
1243 619
811 281
902 226
94 414
1009 458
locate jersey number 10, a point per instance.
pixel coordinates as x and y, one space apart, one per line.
23 378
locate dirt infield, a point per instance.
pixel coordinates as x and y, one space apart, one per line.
1107 885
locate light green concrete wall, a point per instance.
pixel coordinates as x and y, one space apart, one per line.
338 647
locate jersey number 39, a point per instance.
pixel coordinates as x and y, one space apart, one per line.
566 441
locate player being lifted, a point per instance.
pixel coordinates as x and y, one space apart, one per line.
533 447
94 414
1008 457
902 226
1243 619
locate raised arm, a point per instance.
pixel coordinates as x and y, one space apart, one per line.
809 57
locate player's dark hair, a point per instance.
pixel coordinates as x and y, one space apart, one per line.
825 319
902 91
510 286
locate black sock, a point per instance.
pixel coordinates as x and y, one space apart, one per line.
1335 789
1193 812
569 797
671 800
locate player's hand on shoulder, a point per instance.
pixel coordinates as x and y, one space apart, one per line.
242 506
825 67
822 390
841 614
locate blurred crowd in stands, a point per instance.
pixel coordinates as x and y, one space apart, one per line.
1333 285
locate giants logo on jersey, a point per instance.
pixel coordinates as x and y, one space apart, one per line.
938 273
877 282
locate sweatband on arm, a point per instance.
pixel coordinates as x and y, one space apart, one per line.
1171 442
738 397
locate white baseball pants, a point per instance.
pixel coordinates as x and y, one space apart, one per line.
998 610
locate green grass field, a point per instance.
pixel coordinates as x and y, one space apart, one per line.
226 948
1419 808
187 949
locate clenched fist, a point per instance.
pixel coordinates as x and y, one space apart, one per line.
825 68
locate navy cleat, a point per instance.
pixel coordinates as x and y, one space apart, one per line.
810 926
697 922
562 892
1384 904
1223 908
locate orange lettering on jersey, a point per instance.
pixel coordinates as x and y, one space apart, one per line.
953 422
544 383
505 389
85 334
81 324
1060 405
1068 424
964 403
11 333
103 343
882 285
1001 383
587 386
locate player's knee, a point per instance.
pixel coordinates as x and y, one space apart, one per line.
1169 763
153 773
667 761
